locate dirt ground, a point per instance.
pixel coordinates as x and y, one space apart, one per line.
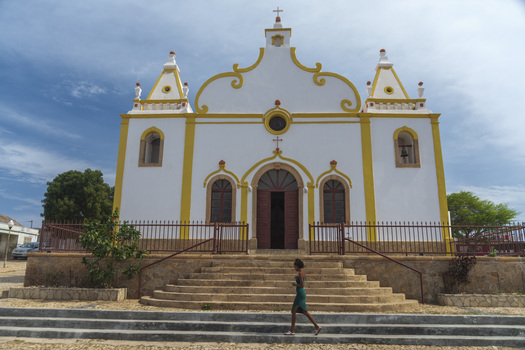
13 276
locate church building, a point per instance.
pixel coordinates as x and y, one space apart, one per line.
279 146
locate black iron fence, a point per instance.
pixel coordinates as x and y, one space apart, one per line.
157 237
417 239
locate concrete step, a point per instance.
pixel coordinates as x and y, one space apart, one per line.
277 284
275 277
268 263
277 298
276 270
262 327
275 290
402 306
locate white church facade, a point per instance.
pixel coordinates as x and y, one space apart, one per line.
279 146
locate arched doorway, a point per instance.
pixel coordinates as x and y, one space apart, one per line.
277 210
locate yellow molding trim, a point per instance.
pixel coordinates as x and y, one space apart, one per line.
259 115
179 83
185 202
235 84
278 30
275 155
311 204
395 100
333 168
227 122
310 185
376 78
121 161
407 130
223 169
440 172
156 116
277 36
244 203
155 86
277 111
321 81
150 130
399 82
318 66
330 122
368 176
179 100
253 66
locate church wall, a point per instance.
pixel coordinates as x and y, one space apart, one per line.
243 145
153 193
276 77
404 194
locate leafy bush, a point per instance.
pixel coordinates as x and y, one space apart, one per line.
458 273
109 245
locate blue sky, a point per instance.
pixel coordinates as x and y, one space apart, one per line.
68 69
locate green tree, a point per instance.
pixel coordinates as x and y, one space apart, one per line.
466 209
110 246
76 195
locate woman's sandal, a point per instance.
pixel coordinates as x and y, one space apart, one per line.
318 330
289 333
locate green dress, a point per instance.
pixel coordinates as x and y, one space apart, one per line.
300 297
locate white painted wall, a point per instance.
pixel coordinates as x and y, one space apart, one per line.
404 194
153 193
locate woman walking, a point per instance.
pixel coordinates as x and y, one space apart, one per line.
299 304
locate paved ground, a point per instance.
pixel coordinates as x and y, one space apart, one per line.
13 276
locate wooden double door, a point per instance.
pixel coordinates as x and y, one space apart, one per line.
277 211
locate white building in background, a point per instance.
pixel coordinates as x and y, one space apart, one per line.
19 235
279 145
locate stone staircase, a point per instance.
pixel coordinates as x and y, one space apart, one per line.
266 284
254 327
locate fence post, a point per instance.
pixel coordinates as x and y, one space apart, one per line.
215 235
342 232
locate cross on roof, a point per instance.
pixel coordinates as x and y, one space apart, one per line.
277 140
278 11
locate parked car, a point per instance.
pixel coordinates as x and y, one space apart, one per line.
21 252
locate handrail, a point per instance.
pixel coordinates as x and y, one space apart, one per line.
172 255
394 260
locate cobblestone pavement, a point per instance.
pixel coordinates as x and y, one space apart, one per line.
13 276
52 344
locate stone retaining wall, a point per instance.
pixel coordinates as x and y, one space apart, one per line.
481 300
490 275
114 294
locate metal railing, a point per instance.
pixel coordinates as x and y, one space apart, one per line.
417 239
157 237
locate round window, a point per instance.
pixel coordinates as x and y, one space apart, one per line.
389 90
166 89
277 123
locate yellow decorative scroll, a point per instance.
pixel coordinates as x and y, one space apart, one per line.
253 66
236 84
318 66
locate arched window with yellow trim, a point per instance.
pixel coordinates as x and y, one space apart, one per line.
220 199
334 195
151 148
406 148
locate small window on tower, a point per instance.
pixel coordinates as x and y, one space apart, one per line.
406 149
151 150
277 40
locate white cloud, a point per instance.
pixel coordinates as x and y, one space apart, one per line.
86 89
35 165
13 116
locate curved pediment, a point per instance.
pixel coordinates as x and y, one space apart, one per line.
277 75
